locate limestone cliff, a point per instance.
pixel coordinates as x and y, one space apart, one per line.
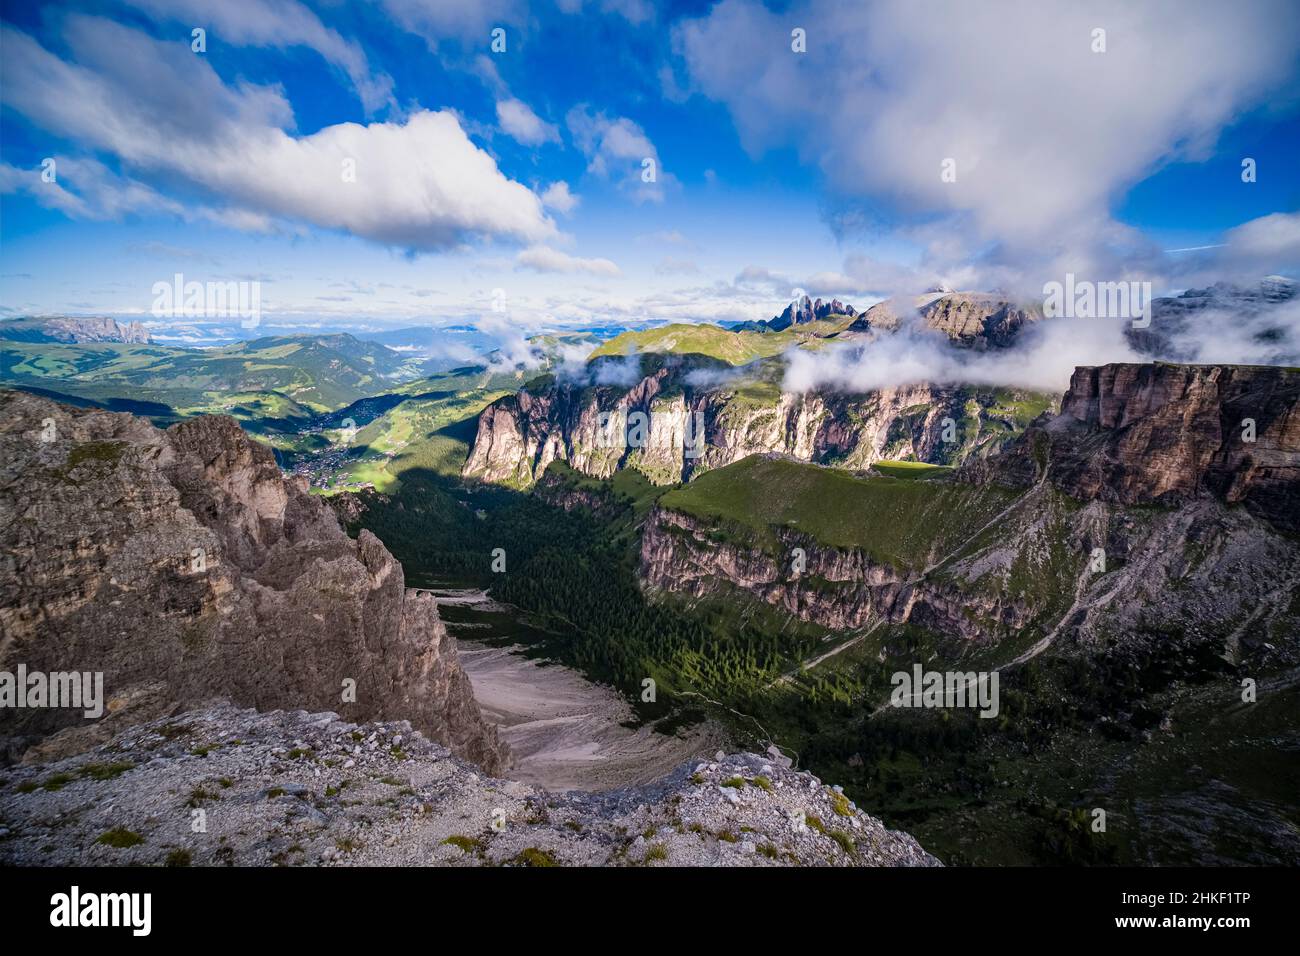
182 565
698 427
1166 434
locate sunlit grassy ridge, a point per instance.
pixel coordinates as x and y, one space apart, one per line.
734 348
897 522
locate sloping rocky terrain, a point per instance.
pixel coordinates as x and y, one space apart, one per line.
203 585
225 786
1137 515
182 565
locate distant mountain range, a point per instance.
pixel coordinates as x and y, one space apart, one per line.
72 330
318 372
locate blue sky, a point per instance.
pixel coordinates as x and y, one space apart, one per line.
520 170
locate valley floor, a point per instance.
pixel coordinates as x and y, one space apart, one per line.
564 732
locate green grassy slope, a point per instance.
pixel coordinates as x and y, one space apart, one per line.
734 348
897 521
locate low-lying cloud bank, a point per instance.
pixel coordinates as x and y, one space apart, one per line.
1043 361
1219 330
572 368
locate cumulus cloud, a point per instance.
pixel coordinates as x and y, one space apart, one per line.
523 125
1044 133
619 149
546 259
163 111
558 197
713 377
764 278
571 364
279 24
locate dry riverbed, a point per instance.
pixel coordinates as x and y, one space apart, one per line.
564 732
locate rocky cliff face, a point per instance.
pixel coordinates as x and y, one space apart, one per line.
694 429
181 565
1166 434
299 789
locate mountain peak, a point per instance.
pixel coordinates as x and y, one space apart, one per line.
806 309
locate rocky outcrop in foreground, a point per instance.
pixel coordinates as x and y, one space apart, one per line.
224 786
182 566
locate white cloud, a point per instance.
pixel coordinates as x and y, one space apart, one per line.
512 348
635 12
761 277
522 124
1274 238
619 149
163 111
546 259
1044 360
464 20
87 189
558 197
1045 354
623 372
1045 133
281 24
